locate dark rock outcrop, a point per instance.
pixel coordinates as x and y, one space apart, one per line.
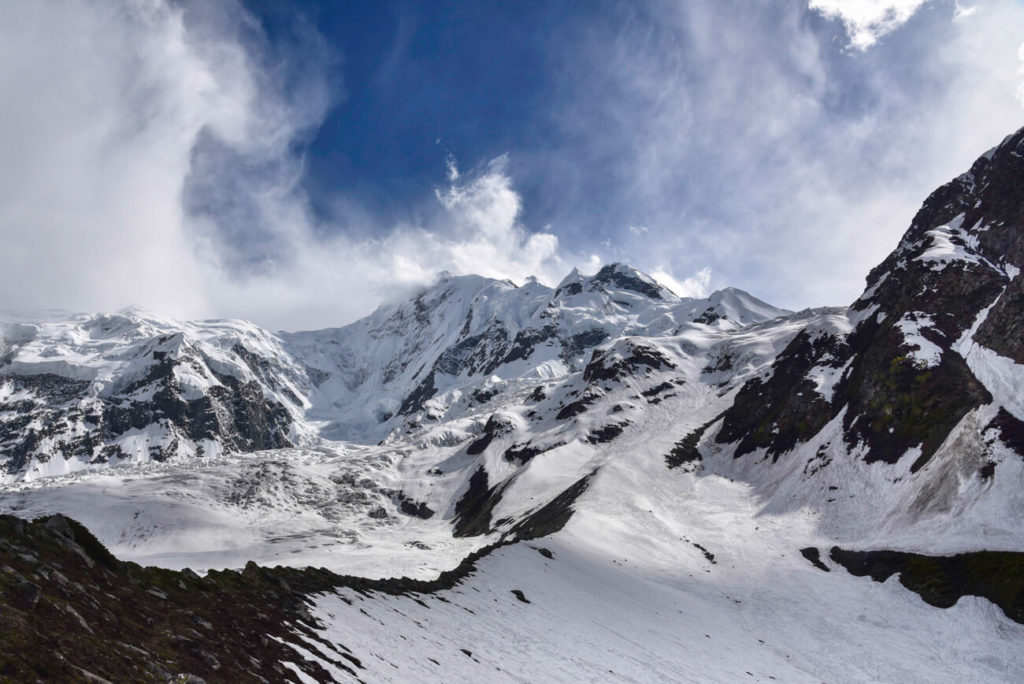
57 415
942 580
904 385
777 413
116 621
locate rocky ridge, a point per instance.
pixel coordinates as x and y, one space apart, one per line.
915 358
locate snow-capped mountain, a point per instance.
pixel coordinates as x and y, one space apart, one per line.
864 411
602 469
467 338
132 387
914 398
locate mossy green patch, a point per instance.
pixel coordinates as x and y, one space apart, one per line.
941 580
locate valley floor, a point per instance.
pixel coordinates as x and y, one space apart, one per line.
644 603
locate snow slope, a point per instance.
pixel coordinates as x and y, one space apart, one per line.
661 574
627 597
341 504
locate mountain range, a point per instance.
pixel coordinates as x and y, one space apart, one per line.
610 481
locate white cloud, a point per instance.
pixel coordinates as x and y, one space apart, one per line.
100 106
333 280
695 286
962 12
1020 58
868 20
113 112
451 165
751 143
733 151
326 281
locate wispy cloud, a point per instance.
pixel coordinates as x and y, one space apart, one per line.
963 11
694 286
327 279
751 142
102 103
868 20
152 155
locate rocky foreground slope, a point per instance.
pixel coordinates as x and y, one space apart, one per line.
712 477
72 610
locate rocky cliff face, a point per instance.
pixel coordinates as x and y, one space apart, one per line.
927 361
950 285
129 388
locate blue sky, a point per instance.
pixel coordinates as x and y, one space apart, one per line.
414 84
298 163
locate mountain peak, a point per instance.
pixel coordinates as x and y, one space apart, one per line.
573 276
742 307
628 278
